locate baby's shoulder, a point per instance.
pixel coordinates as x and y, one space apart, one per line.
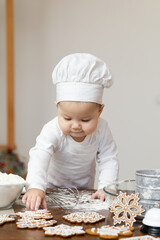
52 123
52 128
102 124
102 130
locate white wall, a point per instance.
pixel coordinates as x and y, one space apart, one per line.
124 33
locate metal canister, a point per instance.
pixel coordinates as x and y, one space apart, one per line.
148 187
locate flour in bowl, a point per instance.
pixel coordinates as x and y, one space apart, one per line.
7 179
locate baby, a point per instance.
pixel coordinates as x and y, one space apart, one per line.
67 147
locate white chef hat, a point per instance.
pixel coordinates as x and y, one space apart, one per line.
81 77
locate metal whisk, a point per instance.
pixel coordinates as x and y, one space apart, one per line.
63 197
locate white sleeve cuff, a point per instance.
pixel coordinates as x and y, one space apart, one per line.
36 186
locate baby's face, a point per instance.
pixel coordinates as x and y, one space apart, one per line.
78 119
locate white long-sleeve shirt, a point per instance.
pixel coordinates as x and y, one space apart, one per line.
58 160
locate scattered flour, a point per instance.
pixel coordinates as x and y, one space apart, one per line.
86 203
7 179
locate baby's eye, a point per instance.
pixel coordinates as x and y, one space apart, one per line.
85 120
67 119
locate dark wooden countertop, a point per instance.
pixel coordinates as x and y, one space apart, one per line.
9 231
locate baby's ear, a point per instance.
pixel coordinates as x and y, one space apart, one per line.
55 102
101 108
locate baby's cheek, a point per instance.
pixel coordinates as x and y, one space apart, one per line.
66 128
90 129
62 125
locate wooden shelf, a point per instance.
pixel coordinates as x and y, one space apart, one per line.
10 74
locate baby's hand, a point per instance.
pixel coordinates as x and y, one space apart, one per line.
34 198
99 194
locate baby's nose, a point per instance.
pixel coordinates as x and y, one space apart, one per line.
76 125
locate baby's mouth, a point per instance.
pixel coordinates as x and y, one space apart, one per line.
76 131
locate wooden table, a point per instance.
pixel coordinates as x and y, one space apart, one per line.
9 231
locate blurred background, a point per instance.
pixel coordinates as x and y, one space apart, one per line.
124 33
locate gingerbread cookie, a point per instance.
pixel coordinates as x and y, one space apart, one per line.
6 218
86 217
126 208
124 231
146 237
64 230
38 214
34 223
110 232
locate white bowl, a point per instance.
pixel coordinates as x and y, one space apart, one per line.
9 194
11 186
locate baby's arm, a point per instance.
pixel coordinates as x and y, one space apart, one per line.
99 194
33 198
107 159
40 155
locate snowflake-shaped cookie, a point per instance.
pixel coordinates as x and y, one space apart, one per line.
126 208
6 218
37 214
146 237
111 232
86 217
34 223
64 230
